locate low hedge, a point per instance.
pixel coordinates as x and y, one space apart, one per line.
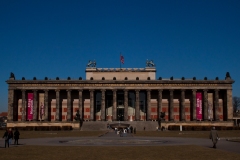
44 128
201 128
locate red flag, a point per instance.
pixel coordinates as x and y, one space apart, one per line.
122 59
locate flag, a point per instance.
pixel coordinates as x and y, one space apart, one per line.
121 59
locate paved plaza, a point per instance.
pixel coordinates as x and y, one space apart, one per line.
110 138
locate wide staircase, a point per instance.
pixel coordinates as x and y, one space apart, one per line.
102 125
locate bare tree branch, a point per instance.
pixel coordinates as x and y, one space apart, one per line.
236 103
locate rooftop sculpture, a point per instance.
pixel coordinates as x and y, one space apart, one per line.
12 75
91 63
149 63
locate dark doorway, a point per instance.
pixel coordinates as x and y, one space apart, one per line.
120 114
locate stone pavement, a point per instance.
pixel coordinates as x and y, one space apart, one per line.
112 139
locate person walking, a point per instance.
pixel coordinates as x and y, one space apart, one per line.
16 136
134 130
6 137
10 135
214 136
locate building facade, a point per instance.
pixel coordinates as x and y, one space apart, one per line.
119 94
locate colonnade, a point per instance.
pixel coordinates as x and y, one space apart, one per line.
228 102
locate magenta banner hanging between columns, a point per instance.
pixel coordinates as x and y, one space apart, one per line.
199 105
30 106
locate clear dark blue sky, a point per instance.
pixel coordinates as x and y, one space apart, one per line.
50 38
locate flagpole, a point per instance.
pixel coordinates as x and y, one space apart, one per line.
120 61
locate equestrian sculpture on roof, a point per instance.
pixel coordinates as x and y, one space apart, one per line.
149 63
91 63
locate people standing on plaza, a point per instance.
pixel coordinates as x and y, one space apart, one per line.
214 136
10 135
16 136
6 137
134 130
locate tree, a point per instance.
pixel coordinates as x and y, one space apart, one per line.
236 104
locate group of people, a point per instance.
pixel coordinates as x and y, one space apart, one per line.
125 130
9 135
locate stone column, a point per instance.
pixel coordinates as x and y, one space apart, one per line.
216 105
23 105
205 104
103 109
91 105
46 105
182 105
57 105
35 103
125 105
148 105
10 105
137 109
80 101
229 105
114 109
159 103
194 104
69 112
171 105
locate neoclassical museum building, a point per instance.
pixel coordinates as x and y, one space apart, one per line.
113 95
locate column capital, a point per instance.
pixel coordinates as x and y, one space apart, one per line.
160 90
57 90
216 90
34 90
91 90
137 90
45 90
68 90
23 90
183 90
80 90
205 90
194 90
103 90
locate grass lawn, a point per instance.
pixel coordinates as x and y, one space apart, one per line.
118 152
50 134
112 153
76 133
190 134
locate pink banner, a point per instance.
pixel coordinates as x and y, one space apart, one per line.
30 106
199 105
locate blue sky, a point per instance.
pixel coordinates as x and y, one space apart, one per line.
56 38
